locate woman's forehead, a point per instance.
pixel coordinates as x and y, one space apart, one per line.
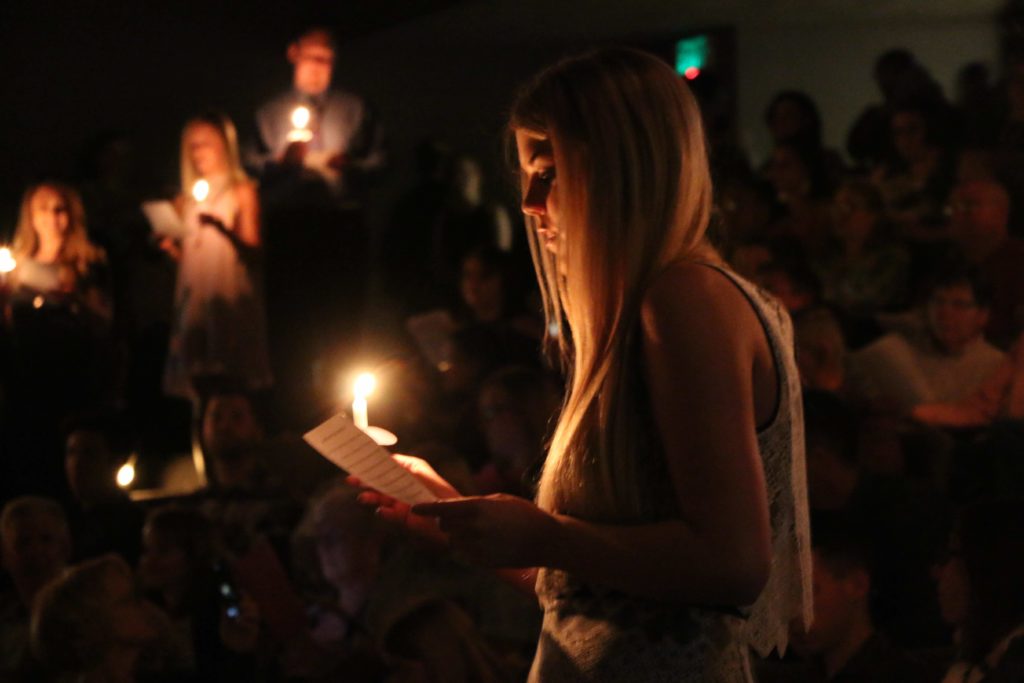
531 145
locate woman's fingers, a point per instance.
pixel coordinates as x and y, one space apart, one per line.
450 509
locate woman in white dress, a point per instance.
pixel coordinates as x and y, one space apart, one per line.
670 527
219 326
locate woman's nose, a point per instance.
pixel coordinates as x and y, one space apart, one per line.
534 201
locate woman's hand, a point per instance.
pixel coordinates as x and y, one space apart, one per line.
171 248
212 221
396 511
497 530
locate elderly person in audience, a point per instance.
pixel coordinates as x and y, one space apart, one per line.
91 626
36 548
392 615
944 360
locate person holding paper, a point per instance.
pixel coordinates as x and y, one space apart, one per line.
670 527
219 325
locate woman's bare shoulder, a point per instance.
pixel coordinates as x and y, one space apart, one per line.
688 290
246 191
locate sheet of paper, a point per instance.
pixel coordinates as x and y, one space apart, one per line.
164 219
348 447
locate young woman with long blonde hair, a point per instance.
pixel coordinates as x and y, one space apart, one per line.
55 258
219 326
670 527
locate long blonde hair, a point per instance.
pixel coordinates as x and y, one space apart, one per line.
77 252
226 130
634 195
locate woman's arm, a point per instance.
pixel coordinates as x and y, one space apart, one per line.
247 225
700 340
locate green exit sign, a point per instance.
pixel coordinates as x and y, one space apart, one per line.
691 56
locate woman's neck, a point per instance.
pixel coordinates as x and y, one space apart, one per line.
49 249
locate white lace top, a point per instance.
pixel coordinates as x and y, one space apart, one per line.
594 634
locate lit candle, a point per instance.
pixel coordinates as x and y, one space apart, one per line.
201 190
126 473
7 262
300 117
300 132
364 386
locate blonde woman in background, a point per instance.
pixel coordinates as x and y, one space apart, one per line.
56 260
670 526
219 325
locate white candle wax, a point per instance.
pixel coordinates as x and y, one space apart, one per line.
359 416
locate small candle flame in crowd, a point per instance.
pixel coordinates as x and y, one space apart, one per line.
7 261
126 473
201 190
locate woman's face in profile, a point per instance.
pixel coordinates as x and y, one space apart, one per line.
206 149
540 197
51 215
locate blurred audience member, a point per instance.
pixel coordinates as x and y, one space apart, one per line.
902 521
90 625
982 595
802 188
489 294
900 79
792 282
103 519
999 397
36 547
391 617
945 360
820 350
867 270
792 116
216 629
916 181
517 409
231 435
745 206
842 643
980 212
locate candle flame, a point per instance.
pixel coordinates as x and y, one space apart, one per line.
301 117
126 473
364 385
201 190
7 262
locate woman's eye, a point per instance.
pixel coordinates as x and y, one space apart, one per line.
547 175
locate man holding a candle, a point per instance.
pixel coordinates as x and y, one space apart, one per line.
331 135
322 148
